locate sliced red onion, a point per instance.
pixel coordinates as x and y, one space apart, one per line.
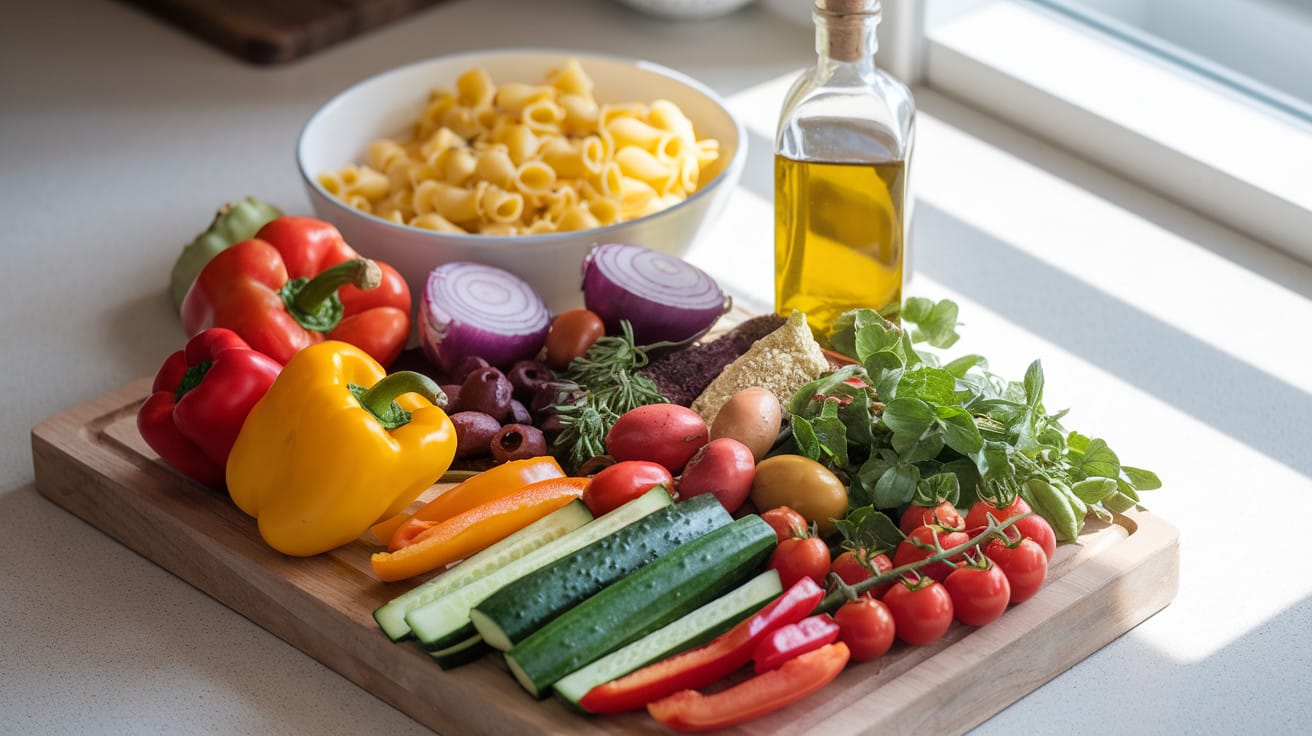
665 298
472 310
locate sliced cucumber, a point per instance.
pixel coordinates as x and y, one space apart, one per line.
509 615
443 621
461 653
391 616
638 604
692 630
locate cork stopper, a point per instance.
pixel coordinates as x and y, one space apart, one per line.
846 21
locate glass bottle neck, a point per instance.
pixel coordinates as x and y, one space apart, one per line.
847 41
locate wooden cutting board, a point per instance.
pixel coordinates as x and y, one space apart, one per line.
92 461
276 31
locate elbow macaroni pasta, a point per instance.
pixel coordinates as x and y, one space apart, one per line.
520 158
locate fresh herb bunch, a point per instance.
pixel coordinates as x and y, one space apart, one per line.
906 428
608 385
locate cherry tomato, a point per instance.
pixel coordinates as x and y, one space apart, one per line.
571 334
785 522
800 557
908 551
977 516
980 592
724 468
1037 528
623 482
866 627
849 566
1022 562
802 484
922 610
944 514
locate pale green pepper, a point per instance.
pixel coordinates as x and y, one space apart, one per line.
233 223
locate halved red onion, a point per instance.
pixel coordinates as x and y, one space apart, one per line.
470 309
665 298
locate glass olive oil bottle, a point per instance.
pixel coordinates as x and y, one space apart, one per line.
842 160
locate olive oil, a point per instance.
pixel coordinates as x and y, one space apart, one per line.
839 235
843 152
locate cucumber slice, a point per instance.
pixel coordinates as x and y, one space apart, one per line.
648 599
463 652
511 614
440 622
693 630
391 616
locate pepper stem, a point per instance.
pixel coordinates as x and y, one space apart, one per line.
380 399
361 272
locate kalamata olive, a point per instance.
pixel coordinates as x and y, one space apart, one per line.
467 365
474 432
518 413
528 377
488 391
518 442
551 426
452 391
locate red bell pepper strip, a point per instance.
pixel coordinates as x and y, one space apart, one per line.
700 667
298 283
800 676
792 640
200 399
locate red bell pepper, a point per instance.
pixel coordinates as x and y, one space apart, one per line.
200 398
690 710
298 283
792 640
700 667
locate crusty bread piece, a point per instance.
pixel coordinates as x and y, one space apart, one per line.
782 362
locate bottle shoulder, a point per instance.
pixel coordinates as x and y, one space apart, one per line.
830 115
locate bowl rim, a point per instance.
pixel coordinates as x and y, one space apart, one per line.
734 166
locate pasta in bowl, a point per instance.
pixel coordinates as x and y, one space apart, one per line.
522 160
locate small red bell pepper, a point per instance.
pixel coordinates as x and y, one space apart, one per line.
690 710
700 667
200 399
298 283
792 640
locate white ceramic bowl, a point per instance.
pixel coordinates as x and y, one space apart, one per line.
387 105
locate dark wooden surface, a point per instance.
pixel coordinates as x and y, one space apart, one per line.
277 31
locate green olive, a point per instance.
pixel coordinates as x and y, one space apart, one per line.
802 484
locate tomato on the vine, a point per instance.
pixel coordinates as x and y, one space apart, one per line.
1037 528
980 592
1023 563
800 557
786 522
979 513
921 609
866 626
849 566
919 544
944 515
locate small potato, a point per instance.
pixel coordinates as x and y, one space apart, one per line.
751 416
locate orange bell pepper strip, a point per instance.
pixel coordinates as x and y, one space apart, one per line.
487 486
689 710
478 528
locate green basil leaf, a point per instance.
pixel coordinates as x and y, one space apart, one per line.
933 385
935 323
960 366
961 434
1119 503
908 416
897 486
808 444
1034 385
1094 490
919 448
866 528
936 489
1099 460
1142 480
830 432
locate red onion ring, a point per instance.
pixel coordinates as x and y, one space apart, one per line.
470 309
665 298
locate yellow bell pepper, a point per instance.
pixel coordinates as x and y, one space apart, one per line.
335 445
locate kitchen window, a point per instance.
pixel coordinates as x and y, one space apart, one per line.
1208 103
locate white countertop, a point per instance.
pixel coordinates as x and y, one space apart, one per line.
1183 344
